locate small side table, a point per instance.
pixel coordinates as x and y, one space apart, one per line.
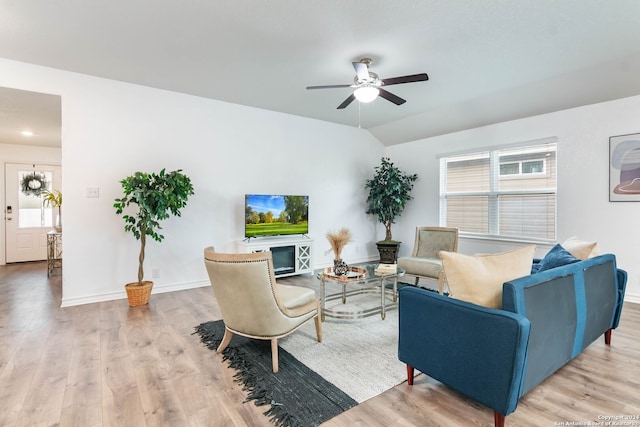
54 253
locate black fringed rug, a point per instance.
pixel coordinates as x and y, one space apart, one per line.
296 395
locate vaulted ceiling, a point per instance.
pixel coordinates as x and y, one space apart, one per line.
488 60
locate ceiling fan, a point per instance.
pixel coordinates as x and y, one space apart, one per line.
368 85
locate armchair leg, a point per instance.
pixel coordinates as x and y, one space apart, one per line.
409 375
441 282
226 339
318 327
417 280
274 354
498 419
607 337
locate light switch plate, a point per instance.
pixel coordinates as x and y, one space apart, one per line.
93 192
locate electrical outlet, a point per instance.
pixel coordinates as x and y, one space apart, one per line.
155 273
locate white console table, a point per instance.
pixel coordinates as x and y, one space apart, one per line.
291 255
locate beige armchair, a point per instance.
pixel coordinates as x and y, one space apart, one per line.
424 261
253 304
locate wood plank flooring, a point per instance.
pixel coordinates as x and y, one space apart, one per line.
106 364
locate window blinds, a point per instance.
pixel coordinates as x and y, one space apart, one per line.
504 192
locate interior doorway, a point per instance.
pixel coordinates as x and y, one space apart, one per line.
27 218
30 144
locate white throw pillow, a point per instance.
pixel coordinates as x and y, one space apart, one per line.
478 278
581 249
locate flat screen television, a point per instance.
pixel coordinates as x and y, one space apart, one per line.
275 215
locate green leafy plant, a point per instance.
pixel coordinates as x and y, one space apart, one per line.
52 198
156 197
389 191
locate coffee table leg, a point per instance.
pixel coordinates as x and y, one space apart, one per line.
344 293
322 299
383 314
395 289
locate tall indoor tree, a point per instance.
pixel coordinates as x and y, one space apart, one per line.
389 191
154 197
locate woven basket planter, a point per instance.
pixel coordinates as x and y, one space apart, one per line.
138 294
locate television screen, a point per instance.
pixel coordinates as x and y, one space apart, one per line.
275 215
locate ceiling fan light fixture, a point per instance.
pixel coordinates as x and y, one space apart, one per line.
366 93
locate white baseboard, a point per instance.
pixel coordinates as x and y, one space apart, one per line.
632 298
111 296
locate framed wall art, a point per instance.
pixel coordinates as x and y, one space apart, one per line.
624 168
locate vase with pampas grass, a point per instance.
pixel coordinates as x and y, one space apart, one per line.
338 240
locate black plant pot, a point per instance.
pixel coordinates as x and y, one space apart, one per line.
388 251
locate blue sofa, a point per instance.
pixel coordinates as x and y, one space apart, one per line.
495 356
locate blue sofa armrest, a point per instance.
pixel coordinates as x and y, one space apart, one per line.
477 351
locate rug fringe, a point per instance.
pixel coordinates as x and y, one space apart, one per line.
246 375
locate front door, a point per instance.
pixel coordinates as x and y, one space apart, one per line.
27 221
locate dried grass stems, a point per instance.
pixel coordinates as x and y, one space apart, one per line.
338 240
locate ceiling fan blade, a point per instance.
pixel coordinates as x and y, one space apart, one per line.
391 97
346 102
361 70
327 86
406 79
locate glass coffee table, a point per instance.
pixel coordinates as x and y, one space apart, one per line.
361 279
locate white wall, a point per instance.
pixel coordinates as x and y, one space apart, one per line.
583 179
112 129
11 153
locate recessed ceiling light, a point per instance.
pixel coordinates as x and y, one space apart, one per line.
27 133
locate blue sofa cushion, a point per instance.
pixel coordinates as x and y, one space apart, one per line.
556 257
549 304
569 307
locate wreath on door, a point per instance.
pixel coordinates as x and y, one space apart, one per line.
33 184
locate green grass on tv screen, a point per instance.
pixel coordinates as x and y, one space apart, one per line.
275 228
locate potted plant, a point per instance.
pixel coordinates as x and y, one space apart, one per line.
54 199
155 197
389 191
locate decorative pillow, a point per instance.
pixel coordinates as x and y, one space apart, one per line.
581 249
536 265
556 257
478 279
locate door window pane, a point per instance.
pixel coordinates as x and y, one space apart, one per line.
31 212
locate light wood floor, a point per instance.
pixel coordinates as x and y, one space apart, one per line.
106 364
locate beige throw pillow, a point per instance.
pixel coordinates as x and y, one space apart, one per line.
581 249
478 278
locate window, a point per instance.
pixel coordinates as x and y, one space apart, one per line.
521 168
501 193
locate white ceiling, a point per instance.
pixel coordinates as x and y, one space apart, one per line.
488 60
39 113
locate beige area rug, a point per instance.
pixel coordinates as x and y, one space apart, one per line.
360 357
